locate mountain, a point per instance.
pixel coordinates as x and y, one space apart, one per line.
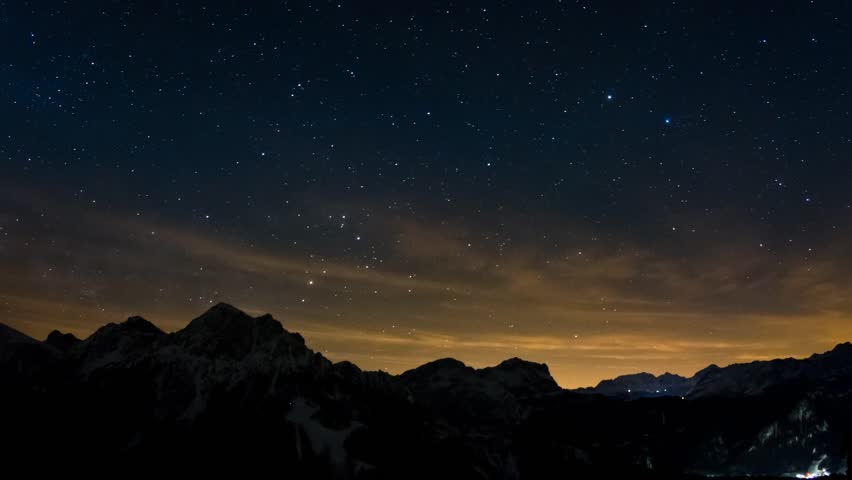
463 395
61 341
829 372
643 385
234 392
23 360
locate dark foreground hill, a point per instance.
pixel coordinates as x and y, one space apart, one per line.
231 392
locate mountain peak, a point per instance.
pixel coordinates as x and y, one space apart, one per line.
227 330
134 326
644 384
629 379
515 362
130 337
521 376
520 366
712 368
223 315
140 325
224 308
514 374
442 372
10 335
441 364
61 341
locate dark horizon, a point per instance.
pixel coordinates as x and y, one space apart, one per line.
308 344
235 391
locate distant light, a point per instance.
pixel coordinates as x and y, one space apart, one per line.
668 120
609 97
820 472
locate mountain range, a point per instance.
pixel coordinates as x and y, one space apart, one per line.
827 372
233 392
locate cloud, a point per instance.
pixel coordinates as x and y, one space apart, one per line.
432 288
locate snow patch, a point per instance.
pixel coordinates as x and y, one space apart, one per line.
323 439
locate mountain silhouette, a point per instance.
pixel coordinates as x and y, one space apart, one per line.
233 392
827 372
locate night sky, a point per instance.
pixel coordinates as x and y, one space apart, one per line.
606 187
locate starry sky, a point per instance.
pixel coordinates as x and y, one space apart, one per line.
607 187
